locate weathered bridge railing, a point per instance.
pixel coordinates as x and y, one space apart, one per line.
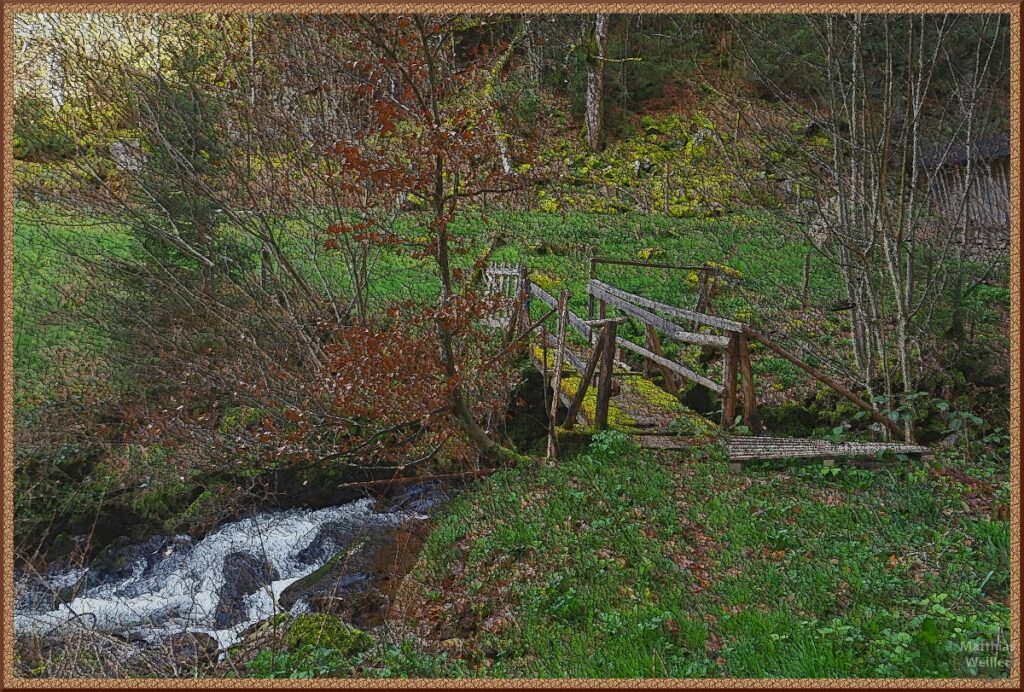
678 324
732 342
601 334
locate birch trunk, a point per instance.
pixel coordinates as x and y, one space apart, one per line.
595 81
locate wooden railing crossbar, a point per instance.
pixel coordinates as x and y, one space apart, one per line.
683 313
672 330
575 321
670 364
574 360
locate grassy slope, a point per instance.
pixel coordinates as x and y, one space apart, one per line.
553 245
619 563
51 251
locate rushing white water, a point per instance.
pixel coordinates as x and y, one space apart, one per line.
179 588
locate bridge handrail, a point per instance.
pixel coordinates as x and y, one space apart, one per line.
671 365
673 330
575 321
693 316
734 343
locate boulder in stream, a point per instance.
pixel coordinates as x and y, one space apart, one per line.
244 574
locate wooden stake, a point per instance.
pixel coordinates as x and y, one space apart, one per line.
592 301
730 362
604 386
666 374
751 417
556 387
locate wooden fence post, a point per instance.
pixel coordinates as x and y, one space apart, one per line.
730 361
702 294
588 374
591 304
666 374
520 305
751 417
556 386
604 385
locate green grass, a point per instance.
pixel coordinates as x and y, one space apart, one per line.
615 563
847 572
52 251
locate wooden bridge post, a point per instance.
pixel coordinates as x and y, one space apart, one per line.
702 296
730 362
524 278
604 384
591 303
556 385
654 343
751 417
520 315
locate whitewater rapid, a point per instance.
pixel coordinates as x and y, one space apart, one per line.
177 587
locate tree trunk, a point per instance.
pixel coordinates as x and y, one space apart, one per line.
595 81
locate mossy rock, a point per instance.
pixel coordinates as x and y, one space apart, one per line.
573 441
298 588
326 631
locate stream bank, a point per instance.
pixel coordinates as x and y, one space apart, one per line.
192 600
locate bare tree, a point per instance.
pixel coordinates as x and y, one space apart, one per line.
862 190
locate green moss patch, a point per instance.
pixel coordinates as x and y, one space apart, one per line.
326 631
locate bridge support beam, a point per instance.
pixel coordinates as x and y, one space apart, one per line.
588 374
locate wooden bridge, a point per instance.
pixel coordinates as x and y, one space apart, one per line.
600 390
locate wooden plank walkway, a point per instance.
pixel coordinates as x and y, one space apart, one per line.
748 448
639 407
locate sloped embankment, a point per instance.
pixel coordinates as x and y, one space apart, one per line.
617 562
